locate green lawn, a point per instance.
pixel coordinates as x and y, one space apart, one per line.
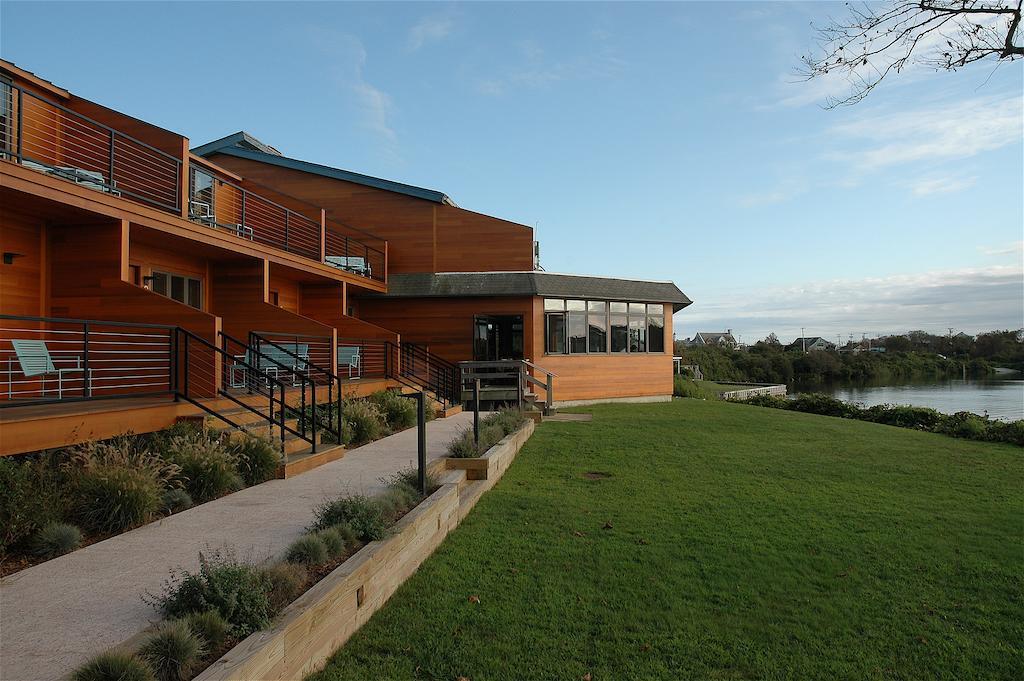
726 542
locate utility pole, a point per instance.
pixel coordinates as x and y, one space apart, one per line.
803 340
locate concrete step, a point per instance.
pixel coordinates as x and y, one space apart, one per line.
306 460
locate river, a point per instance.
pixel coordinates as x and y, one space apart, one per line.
1001 399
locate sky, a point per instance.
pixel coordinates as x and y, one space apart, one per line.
644 140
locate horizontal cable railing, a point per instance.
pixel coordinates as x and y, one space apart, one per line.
353 255
221 204
433 373
366 358
46 359
53 139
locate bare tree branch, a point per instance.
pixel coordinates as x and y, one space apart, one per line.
873 42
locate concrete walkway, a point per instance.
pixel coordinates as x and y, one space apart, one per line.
58 614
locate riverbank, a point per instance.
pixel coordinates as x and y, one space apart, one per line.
704 539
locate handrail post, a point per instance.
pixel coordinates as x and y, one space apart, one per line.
280 415
550 390
286 229
476 414
185 368
312 387
421 441
172 378
243 206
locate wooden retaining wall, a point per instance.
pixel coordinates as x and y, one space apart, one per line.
320 621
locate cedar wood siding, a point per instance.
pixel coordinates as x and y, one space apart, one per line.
423 236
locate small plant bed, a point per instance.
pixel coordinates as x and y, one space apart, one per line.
208 611
963 424
493 428
54 502
370 418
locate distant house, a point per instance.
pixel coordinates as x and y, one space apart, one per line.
723 339
811 343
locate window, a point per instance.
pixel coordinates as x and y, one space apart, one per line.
178 287
275 298
599 327
202 194
135 274
554 333
655 328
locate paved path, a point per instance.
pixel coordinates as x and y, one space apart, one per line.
56 615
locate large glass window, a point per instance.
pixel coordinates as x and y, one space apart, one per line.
655 328
597 326
554 333
6 107
201 204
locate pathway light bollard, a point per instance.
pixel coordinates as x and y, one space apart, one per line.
421 439
476 414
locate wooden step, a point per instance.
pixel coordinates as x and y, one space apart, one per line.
306 461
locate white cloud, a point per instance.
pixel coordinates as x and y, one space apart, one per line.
1015 249
537 71
429 30
941 185
785 191
346 58
976 299
941 132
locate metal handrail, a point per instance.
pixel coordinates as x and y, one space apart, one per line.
107 148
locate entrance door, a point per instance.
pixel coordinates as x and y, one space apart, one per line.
497 337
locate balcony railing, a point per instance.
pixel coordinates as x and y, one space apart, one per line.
354 256
50 359
53 139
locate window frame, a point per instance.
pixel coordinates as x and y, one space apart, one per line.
186 282
637 318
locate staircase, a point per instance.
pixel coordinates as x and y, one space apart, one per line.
505 382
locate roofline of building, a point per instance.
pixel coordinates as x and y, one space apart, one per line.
560 274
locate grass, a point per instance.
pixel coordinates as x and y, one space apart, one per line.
709 540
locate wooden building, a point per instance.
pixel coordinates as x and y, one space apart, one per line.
143 280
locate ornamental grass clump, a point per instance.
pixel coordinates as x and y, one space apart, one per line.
31 497
210 627
360 513
56 539
333 541
175 500
257 457
173 651
114 666
399 412
208 468
117 484
237 590
364 420
308 549
287 581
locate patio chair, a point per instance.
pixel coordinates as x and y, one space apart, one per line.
35 359
354 264
293 357
350 356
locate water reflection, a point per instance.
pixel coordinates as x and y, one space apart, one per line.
999 398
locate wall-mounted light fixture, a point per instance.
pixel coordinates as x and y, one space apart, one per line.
147 281
9 257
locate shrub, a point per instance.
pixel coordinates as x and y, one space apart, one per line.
397 501
365 421
126 451
209 626
508 418
398 412
410 477
115 498
30 498
208 467
308 549
113 666
56 539
332 540
903 416
463 446
964 424
826 405
287 582
172 651
346 532
176 499
359 512
238 591
256 456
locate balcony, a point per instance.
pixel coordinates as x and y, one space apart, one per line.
55 140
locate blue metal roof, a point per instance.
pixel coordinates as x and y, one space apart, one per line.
243 145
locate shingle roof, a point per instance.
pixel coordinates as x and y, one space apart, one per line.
244 145
548 284
715 336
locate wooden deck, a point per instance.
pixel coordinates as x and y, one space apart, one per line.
32 428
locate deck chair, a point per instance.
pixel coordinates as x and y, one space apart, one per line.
349 264
350 356
291 357
35 360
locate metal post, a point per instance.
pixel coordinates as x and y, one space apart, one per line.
280 415
476 413
172 378
312 386
243 206
421 440
286 229
185 368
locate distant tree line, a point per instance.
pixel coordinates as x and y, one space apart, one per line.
916 355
